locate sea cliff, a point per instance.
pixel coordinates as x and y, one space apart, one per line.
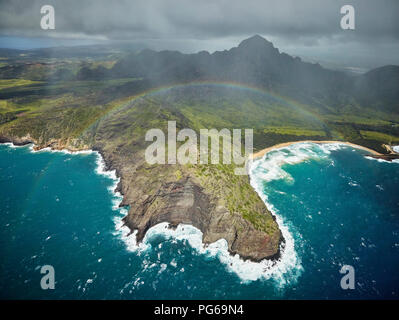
156 194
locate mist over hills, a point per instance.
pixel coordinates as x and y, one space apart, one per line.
254 62
257 62
379 87
106 99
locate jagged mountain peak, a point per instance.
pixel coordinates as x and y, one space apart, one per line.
256 41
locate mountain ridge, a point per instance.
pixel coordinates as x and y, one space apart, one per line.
99 109
255 61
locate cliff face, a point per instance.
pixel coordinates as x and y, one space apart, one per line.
111 114
154 195
185 201
209 197
181 195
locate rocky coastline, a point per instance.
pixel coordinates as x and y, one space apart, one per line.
178 202
185 201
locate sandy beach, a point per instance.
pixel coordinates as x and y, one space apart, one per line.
261 153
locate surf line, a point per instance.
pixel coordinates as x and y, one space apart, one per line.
246 270
262 152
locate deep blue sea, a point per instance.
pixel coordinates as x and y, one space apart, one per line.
335 207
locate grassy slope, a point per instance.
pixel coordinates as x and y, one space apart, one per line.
74 113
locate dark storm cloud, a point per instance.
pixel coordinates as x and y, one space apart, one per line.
126 19
189 24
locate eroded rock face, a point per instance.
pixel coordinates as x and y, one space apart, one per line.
175 202
154 196
185 202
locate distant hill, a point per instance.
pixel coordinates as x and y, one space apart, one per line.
106 104
257 62
379 88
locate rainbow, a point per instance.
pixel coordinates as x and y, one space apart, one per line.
222 84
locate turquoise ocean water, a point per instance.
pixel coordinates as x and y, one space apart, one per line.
334 206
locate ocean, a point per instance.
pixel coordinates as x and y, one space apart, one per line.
334 206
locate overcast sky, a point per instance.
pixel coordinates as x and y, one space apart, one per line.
310 29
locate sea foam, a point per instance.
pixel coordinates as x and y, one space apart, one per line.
63 151
245 270
11 145
268 168
382 160
288 267
284 271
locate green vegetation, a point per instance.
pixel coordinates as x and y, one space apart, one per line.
294 131
12 83
110 113
237 193
378 136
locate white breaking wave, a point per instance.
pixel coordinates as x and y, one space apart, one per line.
246 270
269 167
382 160
100 166
395 148
111 174
47 149
284 271
288 267
64 151
11 145
100 163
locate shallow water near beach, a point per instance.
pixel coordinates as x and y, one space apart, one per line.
334 206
